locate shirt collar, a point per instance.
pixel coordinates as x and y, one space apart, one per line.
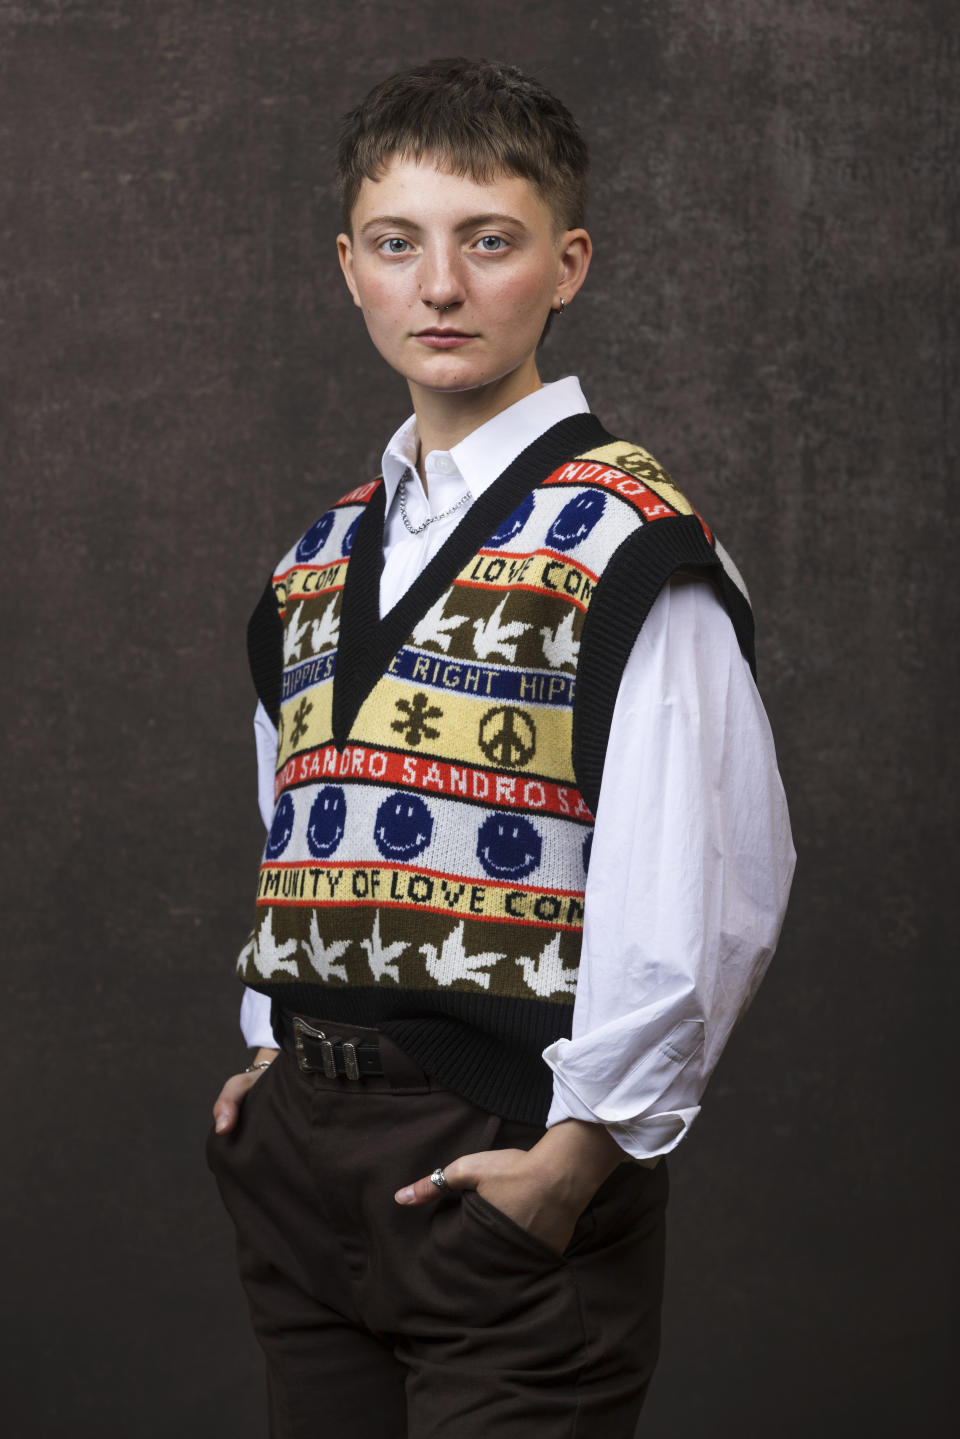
487 451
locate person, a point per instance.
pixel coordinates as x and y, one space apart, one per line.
528 853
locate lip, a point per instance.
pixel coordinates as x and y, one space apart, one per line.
438 339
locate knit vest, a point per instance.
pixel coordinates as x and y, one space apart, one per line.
438 770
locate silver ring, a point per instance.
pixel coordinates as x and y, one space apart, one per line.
438 1178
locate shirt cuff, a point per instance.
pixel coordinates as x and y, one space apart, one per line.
644 1139
255 1020
635 1096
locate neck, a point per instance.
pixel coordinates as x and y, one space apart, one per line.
445 418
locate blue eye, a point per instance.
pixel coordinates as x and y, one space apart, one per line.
395 246
492 244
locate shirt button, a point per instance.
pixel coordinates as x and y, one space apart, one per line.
441 463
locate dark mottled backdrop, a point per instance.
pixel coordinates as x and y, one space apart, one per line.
185 384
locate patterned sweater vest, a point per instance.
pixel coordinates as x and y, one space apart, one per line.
438 769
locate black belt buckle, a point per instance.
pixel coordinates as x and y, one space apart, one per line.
302 1030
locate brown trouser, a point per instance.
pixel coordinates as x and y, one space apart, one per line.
380 1321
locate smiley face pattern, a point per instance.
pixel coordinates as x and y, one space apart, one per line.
403 826
327 821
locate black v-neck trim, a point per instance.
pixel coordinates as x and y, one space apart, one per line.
367 642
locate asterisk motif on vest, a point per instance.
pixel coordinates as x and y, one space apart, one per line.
415 728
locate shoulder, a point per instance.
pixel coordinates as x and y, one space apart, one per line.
662 536
328 541
628 471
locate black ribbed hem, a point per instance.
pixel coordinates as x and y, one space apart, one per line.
631 582
487 1049
265 651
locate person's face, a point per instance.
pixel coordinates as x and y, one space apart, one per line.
455 278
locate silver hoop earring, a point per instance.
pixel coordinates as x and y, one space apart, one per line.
563 306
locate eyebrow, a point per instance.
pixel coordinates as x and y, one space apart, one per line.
471 223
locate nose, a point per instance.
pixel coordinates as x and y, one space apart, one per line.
441 279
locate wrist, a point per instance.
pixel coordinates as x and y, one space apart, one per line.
577 1157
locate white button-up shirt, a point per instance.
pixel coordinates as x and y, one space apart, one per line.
692 857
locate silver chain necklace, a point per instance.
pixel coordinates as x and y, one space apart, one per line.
431 519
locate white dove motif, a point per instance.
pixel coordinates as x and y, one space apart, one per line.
294 636
268 955
490 635
322 956
248 953
326 630
433 628
549 975
379 955
559 646
454 963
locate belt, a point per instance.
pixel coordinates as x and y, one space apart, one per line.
330 1054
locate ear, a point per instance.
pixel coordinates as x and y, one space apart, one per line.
575 249
345 253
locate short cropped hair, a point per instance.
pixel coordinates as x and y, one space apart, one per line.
478 118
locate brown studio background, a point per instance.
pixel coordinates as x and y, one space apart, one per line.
185 384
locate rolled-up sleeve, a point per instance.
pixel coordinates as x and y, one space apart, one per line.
690 871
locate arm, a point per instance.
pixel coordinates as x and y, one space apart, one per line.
689 875
690 872
254 1007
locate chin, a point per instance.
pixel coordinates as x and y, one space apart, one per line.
459 381
459 386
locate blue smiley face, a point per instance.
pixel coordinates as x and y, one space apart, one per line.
512 525
587 847
281 829
327 822
350 536
316 537
576 520
508 846
403 827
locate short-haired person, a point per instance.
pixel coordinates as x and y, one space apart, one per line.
528 853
